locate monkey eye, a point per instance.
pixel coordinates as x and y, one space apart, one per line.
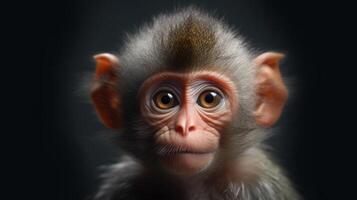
165 100
209 99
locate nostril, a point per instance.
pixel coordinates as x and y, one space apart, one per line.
179 129
191 128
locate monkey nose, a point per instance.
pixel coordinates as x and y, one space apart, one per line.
185 124
184 130
186 121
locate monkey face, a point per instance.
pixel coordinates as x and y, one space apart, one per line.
188 112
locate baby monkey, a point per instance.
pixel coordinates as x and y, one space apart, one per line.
189 103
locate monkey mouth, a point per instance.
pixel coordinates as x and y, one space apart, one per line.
171 150
184 160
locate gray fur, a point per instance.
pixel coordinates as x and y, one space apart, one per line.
145 53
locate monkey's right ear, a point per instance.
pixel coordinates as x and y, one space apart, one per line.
104 94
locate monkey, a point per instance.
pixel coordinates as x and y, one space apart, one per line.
190 103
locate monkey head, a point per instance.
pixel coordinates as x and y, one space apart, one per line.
185 96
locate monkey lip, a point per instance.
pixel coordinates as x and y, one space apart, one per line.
184 152
185 160
172 150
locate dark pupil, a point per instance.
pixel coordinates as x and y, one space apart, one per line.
166 99
209 98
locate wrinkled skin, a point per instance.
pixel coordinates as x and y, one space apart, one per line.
187 133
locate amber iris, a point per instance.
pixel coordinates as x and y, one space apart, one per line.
209 99
165 100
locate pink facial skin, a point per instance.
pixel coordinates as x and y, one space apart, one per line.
187 134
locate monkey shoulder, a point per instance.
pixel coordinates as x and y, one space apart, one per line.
128 179
267 180
117 179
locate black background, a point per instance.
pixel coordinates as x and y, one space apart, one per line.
314 141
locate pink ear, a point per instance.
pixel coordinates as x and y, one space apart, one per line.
271 91
104 94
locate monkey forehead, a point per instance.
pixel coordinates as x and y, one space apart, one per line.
219 79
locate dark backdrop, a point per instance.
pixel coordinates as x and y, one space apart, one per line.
311 142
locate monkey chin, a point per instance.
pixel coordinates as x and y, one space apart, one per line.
186 164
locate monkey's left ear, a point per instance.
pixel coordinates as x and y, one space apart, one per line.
271 90
104 94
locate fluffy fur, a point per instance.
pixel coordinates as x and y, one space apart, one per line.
184 41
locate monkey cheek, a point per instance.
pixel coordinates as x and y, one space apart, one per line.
186 163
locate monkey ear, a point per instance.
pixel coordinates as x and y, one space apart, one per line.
271 91
104 94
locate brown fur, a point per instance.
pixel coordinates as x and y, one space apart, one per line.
189 43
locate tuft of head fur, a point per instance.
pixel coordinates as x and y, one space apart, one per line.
189 43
